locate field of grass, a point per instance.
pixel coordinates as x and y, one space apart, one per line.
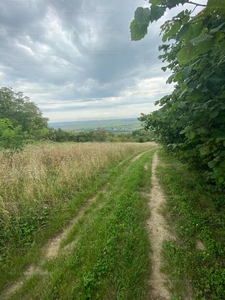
73 221
46 185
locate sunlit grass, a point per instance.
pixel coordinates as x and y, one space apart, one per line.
45 173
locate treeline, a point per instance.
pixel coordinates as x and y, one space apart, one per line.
98 135
22 122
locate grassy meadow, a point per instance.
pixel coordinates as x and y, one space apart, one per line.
44 186
46 174
92 199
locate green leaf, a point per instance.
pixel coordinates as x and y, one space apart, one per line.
142 15
197 28
186 72
182 31
137 32
170 79
222 164
178 76
195 94
190 135
216 29
212 163
214 114
201 38
157 12
173 31
182 104
182 122
181 95
202 151
186 54
188 35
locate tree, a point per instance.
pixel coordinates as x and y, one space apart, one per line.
12 139
191 121
21 112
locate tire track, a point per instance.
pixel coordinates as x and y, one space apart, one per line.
52 247
157 234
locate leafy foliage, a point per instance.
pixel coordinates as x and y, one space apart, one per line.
191 121
11 139
138 31
21 112
99 135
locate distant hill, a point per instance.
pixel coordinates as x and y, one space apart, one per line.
111 125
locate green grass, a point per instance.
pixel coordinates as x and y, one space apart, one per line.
111 254
24 235
195 212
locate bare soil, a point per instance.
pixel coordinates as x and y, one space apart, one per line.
157 234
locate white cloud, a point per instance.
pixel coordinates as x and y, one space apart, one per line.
75 60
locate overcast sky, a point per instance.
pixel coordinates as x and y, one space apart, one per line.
75 59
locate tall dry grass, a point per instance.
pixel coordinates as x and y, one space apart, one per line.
47 174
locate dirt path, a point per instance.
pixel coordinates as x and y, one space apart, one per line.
52 247
157 234
50 250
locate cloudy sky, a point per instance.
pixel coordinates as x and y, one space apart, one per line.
75 59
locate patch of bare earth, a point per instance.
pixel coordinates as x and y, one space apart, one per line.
50 250
27 274
200 246
157 234
136 157
152 144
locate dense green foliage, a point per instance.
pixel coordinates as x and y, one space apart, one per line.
191 121
19 119
11 138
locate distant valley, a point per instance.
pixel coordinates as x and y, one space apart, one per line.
111 125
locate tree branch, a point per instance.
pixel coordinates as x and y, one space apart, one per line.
197 4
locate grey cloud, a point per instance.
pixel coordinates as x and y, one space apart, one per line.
62 51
